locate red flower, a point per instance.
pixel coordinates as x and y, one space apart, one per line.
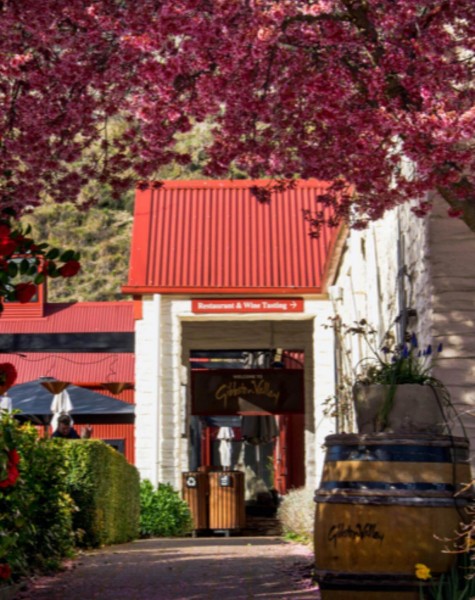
24 292
14 456
69 269
8 374
5 571
7 244
12 469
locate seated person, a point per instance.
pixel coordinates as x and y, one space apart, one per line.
66 431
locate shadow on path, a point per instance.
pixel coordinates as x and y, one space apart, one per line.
184 569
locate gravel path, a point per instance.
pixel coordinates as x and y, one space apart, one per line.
240 568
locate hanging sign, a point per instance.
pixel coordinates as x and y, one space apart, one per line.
247 305
241 391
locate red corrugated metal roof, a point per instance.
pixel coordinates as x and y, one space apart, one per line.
77 367
80 317
199 236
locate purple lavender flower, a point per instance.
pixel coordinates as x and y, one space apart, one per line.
414 342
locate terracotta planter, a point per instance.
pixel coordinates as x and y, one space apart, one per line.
415 409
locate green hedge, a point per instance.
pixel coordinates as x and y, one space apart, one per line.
58 494
35 510
105 488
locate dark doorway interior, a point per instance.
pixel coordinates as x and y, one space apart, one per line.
267 446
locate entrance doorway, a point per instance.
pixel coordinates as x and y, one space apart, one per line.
247 415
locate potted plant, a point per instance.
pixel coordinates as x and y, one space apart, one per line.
395 390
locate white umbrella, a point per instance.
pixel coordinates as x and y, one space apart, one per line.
61 405
225 435
5 403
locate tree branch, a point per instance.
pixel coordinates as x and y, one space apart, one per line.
466 206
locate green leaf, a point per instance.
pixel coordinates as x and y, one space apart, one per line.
52 270
12 269
52 254
68 255
24 266
40 278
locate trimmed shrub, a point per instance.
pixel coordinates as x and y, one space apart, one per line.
297 515
50 507
105 489
35 509
162 512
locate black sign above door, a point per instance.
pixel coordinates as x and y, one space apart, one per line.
241 391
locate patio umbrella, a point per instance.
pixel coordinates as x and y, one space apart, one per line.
225 435
88 407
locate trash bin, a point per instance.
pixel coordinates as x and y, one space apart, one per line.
226 500
195 490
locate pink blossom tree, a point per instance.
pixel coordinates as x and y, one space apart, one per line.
374 95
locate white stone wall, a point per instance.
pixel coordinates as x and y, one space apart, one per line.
453 299
147 389
323 377
383 270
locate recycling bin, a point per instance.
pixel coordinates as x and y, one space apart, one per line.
226 500
195 490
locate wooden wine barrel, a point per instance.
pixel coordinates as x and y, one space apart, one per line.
195 491
226 500
385 503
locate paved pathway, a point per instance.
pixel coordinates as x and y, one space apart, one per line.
240 568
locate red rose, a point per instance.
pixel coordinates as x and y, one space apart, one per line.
69 269
24 292
5 571
8 374
12 476
12 469
7 245
14 457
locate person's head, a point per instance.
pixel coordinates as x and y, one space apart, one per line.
64 424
